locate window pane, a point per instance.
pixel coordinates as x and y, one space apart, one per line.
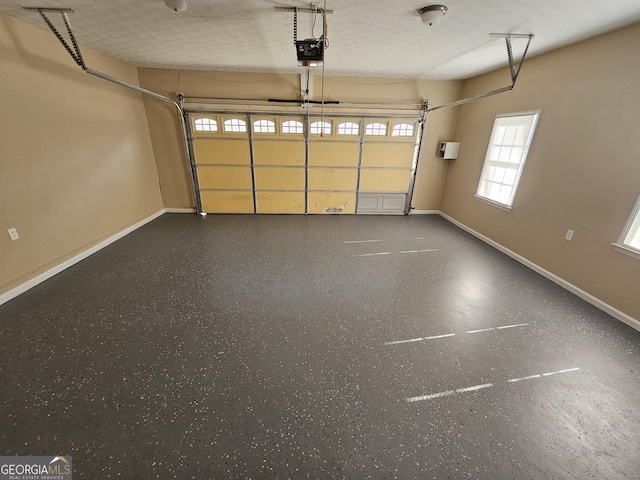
205 125
348 128
510 176
320 127
516 155
633 239
506 154
631 235
494 191
264 126
376 129
510 135
402 130
235 125
505 194
292 126
499 137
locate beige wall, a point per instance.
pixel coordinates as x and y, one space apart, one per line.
583 168
167 141
76 162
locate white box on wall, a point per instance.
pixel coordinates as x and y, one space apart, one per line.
448 150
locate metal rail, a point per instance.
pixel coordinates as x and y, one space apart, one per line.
77 57
416 157
512 67
302 10
514 77
416 105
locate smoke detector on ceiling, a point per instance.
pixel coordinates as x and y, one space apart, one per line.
177 5
432 14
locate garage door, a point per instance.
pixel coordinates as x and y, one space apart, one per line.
297 164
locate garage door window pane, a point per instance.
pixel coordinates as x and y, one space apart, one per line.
320 127
292 126
348 128
402 130
205 125
376 129
264 126
235 125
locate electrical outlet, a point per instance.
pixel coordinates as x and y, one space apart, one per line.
13 234
569 235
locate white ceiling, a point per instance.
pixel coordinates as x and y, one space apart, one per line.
381 38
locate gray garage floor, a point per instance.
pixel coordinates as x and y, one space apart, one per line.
316 347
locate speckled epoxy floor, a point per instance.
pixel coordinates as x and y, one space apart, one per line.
316 347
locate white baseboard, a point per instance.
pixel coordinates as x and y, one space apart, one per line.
180 210
605 307
14 292
424 212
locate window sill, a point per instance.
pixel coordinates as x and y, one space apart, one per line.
626 250
501 206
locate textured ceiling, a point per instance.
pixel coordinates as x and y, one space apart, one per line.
367 37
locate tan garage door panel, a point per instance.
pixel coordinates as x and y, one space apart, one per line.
280 202
274 178
232 178
231 152
384 180
388 155
227 202
332 202
278 153
325 154
333 178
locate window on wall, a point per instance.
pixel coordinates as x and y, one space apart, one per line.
402 130
348 128
629 241
376 129
292 126
205 125
235 125
264 126
508 147
316 128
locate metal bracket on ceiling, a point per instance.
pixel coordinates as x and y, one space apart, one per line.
512 66
295 10
507 37
75 51
514 76
77 57
302 10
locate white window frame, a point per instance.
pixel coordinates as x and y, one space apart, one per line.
206 124
264 125
631 229
286 125
518 166
403 130
234 125
320 128
349 128
376 129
